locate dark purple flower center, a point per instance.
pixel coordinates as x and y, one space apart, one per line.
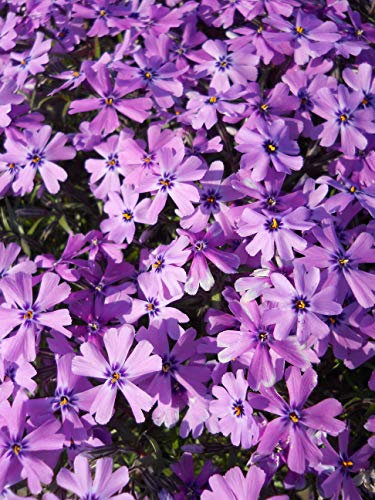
166 182
35 158
63 400
158 265
224 63
148 74
238 409
294 417
343 117
210 199
112 161
273 224
301 304
270 147
108 101
200 245
127 215
94 327
152 306
304 96
62 33
24 62
115 375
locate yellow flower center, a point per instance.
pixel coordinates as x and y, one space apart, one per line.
274 224
300 304
293 417
343 262
102 13
166 367
300 30
150 306
165 182
127 216
23 62
347 463
28 315
271 148
264 107
213 99
115 377
157 264
223 64
238 409
359 32
64 401
148 75
332 320
36 159
11 166
260 29
147 159
111 163
364 101
352 189
16 449
75 74
108 101
343 118
211 199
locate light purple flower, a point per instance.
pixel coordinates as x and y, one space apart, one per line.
120 371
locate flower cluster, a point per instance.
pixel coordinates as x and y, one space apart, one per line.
187 203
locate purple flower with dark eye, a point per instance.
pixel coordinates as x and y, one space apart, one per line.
23 447
300 305
36 154
343 264
110 101
233 410
119 372
344 116
307 37
269 145
275 230
341 466
255 341
207 107
225 67
20 310
362 81
172 177
123 210
156 73
29 62
183 372
203 249
105 485
295 422
234 485
214 194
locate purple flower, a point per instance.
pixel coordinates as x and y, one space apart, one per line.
110 101
22 447
121 371
234 485
340 467
295 422
225 67
35 154
214 194
233 410
29 62
183 372
207 107
173 176
275 230
306 37
123 210
105 485
255 341
362 81
342 264
203 248
184 470
269 145
301 304
344 116
20 310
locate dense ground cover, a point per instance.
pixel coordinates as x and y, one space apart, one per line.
186 269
